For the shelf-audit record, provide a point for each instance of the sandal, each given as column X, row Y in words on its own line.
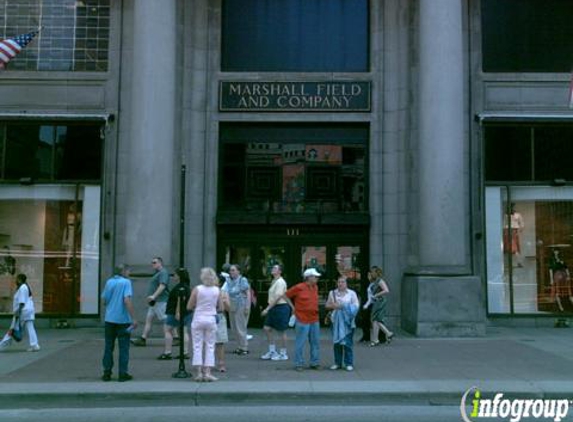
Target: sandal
column 222, row 369
column 374, row 343
column 199, row 378
column 165, row 356
column 209, row 378
column 389, row 338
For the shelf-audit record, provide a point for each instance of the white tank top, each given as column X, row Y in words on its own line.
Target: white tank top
column 207, row 297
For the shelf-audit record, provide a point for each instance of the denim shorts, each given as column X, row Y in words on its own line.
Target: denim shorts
column 173, row 322
column 278, row 317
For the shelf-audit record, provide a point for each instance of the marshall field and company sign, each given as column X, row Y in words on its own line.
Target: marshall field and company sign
column 294, row 96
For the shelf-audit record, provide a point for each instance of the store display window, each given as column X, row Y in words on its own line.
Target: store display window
column 51, row 234
column 529, row 217
column 50, row 175
column 529, row 249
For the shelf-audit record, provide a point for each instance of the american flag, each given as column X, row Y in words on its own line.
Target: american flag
column 10, row 47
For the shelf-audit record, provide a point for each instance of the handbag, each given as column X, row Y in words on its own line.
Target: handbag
column 16, row 330
column 328, row 316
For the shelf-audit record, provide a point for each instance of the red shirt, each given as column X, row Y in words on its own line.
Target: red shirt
column 305, row 298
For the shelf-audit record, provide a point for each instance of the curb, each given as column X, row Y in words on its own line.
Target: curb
column 296, row 393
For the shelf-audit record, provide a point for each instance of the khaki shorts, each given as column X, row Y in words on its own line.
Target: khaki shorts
column 158, row 310
column 222, row 335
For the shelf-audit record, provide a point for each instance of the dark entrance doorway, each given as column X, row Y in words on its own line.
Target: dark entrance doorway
column 334, row 251
column 294, row 194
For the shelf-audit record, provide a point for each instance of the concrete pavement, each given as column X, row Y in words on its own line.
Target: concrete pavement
column 519, row 362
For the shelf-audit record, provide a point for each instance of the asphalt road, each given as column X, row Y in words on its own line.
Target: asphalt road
column 239, row 414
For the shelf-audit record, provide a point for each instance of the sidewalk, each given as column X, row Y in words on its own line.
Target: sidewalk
column 532, row 362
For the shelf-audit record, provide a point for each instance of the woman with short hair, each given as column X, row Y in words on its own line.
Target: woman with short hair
column 238, row 288
column 277, row 315
column 344, row 305
column 204, row 301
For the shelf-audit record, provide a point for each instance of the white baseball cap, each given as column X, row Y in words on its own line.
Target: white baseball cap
column 310, row 272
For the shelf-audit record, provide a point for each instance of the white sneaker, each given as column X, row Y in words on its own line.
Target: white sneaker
column 335, row 367
column 280, row 356
column 249, row 337
column 269, row 355
column 350, row 368
column 35, row 348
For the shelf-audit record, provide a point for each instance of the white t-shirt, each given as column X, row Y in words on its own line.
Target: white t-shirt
column 22, row 295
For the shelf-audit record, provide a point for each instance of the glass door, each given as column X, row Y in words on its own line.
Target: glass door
column 332, row 254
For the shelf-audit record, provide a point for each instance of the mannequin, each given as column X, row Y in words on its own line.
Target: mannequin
column 71, row 230
column 560, row 280
column 514, row 225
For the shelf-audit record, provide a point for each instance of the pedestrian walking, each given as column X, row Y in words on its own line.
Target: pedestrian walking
column 24, row 311
column 119, row 322
column 377, row 292
column 277, row 314
column 238, row 290
column 204, row 301
column 157, row 295
column 174, row 314
column 304, row 296
column 343, row 304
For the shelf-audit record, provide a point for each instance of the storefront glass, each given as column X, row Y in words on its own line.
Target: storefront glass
column 50, row 175
column 529, row 249
column 294, row 178
column 51, row 234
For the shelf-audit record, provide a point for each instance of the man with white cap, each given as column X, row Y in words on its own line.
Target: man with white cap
column 304, row 297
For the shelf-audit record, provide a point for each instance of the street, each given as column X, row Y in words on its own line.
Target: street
column 397, row 413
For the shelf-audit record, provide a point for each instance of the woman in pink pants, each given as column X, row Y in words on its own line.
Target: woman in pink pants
column 203, row 301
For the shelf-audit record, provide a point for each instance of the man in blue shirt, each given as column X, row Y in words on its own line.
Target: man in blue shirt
column 119, row 322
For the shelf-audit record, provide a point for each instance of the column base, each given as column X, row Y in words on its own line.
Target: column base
column 443, row 306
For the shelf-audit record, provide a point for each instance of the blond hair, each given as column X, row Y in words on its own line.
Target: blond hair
column 208, row 276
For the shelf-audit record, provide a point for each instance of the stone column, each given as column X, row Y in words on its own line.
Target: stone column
column 442, row 204
column 149, row 192
column 440, row 297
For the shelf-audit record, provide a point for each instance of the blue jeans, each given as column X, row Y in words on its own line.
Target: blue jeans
column 119, row 332
column 344, row 349
column 304, row 332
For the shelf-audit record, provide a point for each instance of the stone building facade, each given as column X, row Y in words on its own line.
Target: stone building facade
column 371, row 141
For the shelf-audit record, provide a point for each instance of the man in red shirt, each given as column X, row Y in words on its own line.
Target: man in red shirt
column 304, row 297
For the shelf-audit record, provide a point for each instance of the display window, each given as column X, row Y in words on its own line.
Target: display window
column 50, row 175
column 51, row 234
column 529, row 217
column 529, row 249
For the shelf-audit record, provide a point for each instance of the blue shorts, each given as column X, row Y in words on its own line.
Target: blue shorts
column 278, row 317
column 173, row 322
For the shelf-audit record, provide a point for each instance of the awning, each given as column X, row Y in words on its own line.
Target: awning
column 92, row 117
column 523, row 117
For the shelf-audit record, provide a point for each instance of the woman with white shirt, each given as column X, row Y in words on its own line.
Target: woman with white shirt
column 277, row 315
column 204, row 301
column 343, row 302
column 23, row 308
